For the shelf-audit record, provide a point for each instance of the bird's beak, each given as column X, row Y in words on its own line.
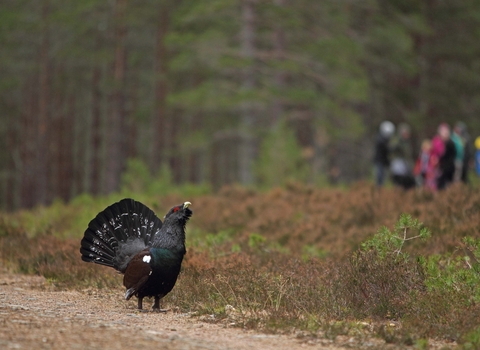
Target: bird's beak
column 186, row 205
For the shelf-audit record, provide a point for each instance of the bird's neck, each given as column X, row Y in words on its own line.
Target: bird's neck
column 172, row 238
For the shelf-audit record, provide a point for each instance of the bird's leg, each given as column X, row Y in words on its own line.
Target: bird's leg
column 156, row 305
column 140, row 302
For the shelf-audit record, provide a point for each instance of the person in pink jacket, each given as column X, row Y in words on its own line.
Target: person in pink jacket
column 425, row 167
column 443, row 153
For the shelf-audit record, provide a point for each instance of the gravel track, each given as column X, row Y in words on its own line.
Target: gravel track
column 33, row 315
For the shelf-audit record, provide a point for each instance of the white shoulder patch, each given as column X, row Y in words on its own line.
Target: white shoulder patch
column 147, row 259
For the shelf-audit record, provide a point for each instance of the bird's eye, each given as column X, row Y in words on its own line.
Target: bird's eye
column 176, row 209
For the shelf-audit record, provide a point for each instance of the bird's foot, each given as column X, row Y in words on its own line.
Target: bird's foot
column 142, row 311
column 157, row 309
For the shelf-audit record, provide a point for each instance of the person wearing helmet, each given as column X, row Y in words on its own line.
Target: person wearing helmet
column 381, row 158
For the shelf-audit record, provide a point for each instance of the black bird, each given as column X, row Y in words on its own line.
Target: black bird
column 129, row 237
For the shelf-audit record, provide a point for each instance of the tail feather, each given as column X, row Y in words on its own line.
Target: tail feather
column 122, row 229
column 96, row 250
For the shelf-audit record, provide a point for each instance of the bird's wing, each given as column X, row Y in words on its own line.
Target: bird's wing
column 137, row 272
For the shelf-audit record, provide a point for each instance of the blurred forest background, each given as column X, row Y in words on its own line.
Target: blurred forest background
column 214, row 92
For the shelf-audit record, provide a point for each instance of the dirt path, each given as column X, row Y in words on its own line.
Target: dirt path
column 32, row 316
column 35, row 316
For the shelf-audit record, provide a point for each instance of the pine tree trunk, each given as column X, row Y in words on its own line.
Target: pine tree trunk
column 247, row 146
column 115, row 130
column 56, row 131
column 28, row 148
column 196, row 156
column 66, row 173
column 96, row 134
column 12, row 183
column 280, row 76
column 41, row 172
column 160, row 122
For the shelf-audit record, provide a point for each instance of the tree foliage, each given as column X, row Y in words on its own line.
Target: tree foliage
column 280, row 158
column 196, row 86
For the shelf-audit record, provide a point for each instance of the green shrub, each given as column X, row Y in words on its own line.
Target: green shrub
column 471, row 340
column 138, row 181
column 387, row 243
column 280, row 159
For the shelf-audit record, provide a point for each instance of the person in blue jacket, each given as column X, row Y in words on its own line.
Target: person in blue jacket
column 477, row 155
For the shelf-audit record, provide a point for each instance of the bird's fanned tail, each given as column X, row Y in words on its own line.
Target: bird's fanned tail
column 127, row 220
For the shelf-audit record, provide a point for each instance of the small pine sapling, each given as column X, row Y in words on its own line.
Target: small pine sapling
column 387, row 242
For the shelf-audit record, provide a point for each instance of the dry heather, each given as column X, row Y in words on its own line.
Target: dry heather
column 336, row 221
column 290, row 259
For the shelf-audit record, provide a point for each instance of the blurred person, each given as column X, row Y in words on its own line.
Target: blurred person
column 424, row 170
column 443, row 149
column 477, row 155
column 381, row 158
column 401, row 144
column 461, row 129
column 459, row 153
column 401, row 167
